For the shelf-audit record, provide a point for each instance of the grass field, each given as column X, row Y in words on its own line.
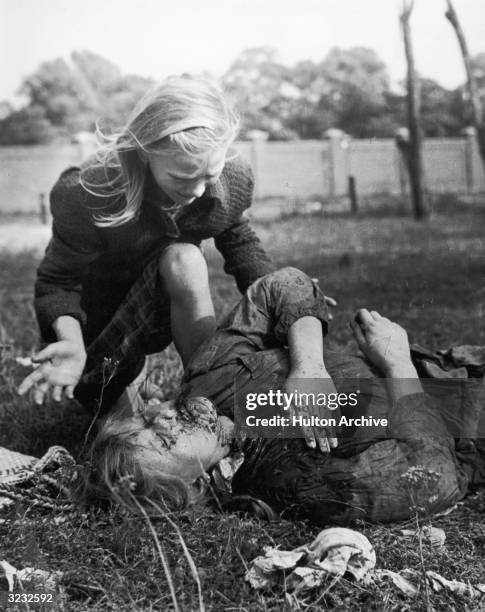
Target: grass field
column 427, row 276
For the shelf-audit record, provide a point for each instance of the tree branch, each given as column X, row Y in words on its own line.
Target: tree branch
column 475, row 102
column 407, row 9
column 414, row 147
column 472, row 83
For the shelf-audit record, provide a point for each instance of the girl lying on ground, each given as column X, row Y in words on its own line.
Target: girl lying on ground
column 271, row 340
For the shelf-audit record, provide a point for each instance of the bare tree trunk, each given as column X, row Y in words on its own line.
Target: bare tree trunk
column 414, row 158
column 476, row 103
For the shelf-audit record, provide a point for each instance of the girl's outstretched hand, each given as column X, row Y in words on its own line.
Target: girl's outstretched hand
column 59, row 368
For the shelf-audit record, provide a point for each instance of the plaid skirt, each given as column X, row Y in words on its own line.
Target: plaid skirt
column 140, row 326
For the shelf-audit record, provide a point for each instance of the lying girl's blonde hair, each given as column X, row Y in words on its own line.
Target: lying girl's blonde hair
column 120, row 470
column 187, row 112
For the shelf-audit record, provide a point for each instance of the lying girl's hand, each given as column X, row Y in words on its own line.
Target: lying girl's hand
column 60, row 367
column 307, row 382
column 383, row 342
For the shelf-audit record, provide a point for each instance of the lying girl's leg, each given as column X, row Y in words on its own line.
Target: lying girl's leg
column 146, row 322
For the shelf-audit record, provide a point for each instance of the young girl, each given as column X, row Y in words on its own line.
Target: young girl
column 156, row 189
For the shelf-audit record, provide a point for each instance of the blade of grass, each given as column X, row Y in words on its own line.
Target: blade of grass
column 188, row 556
column 161, row 554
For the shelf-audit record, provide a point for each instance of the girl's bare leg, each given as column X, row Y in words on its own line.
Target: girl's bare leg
column 185, row 276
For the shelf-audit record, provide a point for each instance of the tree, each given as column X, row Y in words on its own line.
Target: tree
column 262, row 90
column 114, row 94
column 99, row 74
column 354, row 82
column 6, row 109
column 66, row 97
column 309, row 120
column 440, row 114
column 347, row 89
column 121, row 101
column 63, row 94
column 313, row 113
column 477, row 64
column 413, row 148
column 27, row 126
column 476, row 106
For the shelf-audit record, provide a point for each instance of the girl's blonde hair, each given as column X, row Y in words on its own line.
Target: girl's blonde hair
column 122, row 470
column 188, row 112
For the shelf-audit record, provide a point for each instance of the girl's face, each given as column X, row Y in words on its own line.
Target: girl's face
column 194, row 447
column 183, row 177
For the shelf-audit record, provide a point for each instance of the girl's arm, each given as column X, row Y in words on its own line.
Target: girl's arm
column 74, row 245
column 305, row 344
column 308, row 375
column 244, row 255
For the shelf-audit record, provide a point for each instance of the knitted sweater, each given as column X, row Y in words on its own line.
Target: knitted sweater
column 87, row 268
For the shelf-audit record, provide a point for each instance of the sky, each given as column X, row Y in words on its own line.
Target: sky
column 160, row 37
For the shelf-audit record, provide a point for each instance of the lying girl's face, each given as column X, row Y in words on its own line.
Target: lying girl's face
column 178, row 446
column 183, row 177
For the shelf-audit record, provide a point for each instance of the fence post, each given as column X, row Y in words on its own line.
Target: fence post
column 42, row 209
column 338, row 162
column 402, row 146
column 470, row 134
column 399, row 179
column 354, row 203
column 257, row 138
